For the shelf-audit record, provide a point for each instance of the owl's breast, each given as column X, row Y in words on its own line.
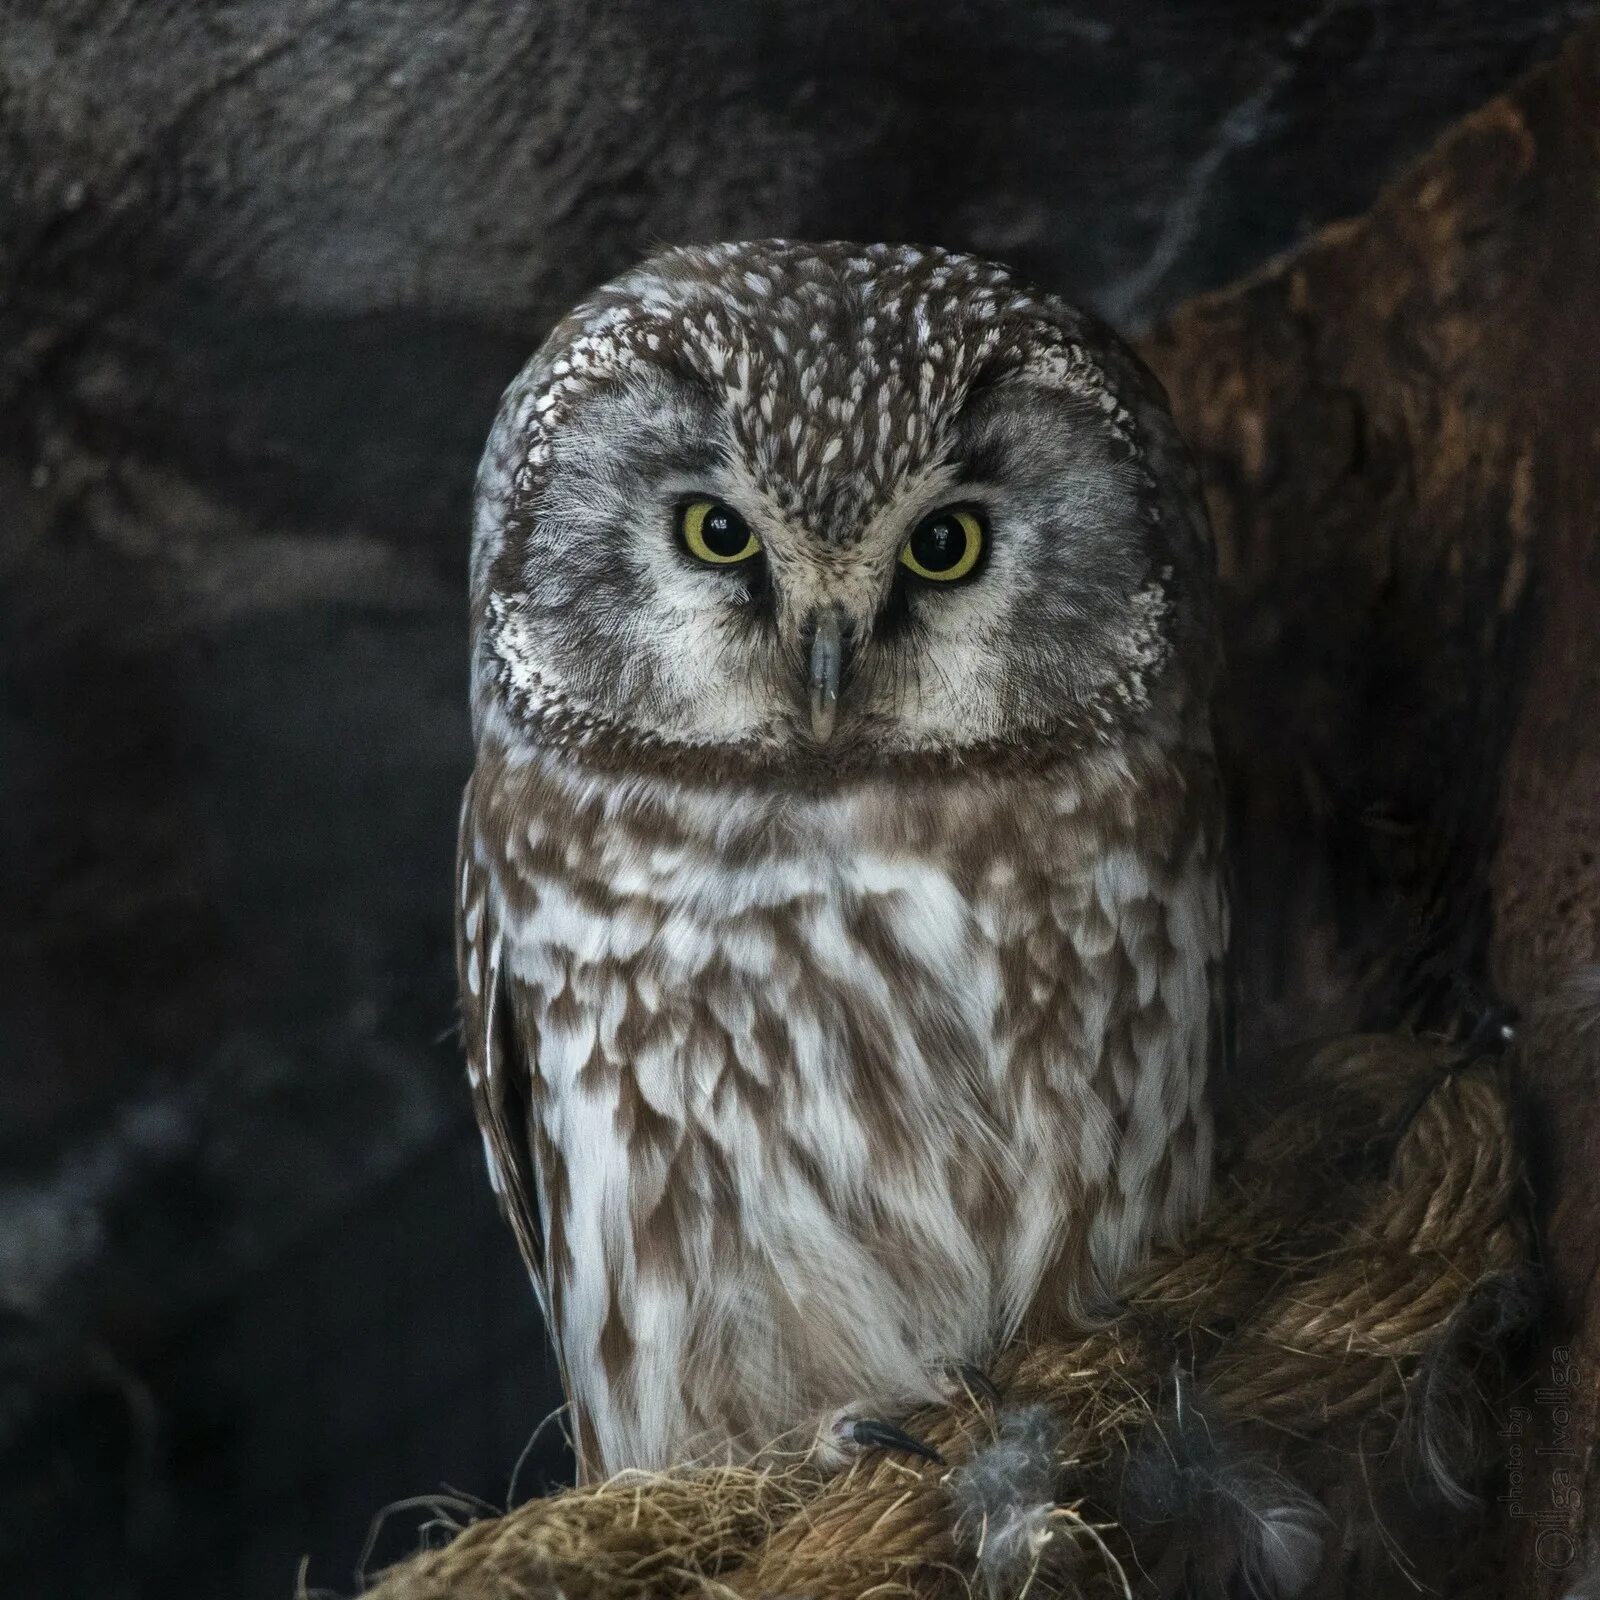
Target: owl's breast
column 837, row 997
column 830, row 1099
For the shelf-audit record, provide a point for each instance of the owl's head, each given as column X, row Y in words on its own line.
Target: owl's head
column 812, row 508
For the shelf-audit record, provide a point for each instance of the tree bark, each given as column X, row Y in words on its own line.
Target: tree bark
column 1399, row 427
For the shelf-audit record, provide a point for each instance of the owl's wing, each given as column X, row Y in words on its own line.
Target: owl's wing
column 503, row 1069
column 500, row 1063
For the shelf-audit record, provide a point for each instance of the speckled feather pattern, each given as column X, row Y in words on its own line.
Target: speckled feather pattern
column 806, row 1074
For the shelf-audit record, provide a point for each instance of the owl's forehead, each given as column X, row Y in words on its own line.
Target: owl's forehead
column 838, row 370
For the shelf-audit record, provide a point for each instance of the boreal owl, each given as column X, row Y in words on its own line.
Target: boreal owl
column 840, row 913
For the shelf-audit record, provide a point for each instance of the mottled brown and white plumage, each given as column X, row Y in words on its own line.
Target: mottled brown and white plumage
column 820, row 1049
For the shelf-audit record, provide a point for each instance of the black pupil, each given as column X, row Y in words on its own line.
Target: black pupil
column 938, row 544
column 724, row 532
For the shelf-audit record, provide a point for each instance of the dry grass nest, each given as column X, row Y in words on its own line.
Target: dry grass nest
column 1272, row 1401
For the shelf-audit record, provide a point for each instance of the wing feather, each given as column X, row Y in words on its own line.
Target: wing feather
column 501, row 1067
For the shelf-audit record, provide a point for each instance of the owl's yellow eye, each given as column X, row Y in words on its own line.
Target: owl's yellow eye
column 944, row 546
column 716, row 533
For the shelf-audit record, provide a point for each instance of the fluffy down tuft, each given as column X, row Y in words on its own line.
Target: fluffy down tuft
column 1005, row 1497
column 1447, row 1438
column 1226, row 1522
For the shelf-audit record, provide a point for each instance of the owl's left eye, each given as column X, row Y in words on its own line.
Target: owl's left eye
column 944, row 547
column 715, row 533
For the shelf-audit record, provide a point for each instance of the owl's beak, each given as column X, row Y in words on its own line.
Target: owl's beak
column 826, row 664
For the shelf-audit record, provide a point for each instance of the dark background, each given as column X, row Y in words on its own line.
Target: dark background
column 264, row 269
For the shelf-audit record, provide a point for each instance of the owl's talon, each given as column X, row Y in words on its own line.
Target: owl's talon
column 969, row 1382
column 1491, row 1030
column 868, row 1433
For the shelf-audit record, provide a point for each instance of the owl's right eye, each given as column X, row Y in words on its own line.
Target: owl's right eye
column 715, row 533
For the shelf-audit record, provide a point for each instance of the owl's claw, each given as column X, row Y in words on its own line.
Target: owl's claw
column 968, row 1382
column 1490, row 1030
column 868, row 1433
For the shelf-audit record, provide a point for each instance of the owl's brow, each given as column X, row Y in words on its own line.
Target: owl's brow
column 672, row 361
column 978, row 462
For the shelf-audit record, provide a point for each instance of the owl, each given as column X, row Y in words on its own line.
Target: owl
column 841, row 925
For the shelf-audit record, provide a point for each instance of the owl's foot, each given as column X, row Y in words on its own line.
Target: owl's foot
column 965, row 1382
column 871, row 1433
column 847, row 1435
